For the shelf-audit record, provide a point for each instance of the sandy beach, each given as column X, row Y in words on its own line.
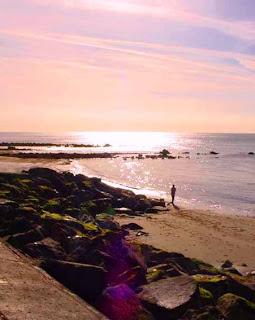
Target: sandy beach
column 205, row 235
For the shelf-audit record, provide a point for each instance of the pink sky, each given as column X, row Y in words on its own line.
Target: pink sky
column 80, row 65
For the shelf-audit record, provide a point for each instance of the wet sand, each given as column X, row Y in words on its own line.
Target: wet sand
column 201, row 234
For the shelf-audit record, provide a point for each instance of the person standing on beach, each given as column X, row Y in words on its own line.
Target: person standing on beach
column 173, row 191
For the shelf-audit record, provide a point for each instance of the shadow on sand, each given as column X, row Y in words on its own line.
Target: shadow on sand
column 175, row 207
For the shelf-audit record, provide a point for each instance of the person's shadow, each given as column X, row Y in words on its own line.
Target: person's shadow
column 176, row 208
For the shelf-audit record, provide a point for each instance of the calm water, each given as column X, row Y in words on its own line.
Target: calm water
column 223, row 182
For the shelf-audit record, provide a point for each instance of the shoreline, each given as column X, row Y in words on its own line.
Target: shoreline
column 16, row 165
column 201, row 234
column 204, row 234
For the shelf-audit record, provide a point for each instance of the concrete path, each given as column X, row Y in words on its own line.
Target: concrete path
column 27, row 293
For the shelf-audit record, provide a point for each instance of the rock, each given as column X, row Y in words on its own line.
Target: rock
column 57, row 180
column 45, row 249
column 160, row 208
column 169, row 298
column 48, row 192
column 17, row 225
column 27, row 213
column 106, row 221
column 124, row 211
column 121, row 303
column 142, row 205
column 102, row 204
column 131, row 226
column 217, row 285
column 6, row 212
column 158, row 203
column 21, row 239
column 233, row 307
column 156, row 256
column 205, row 298
column 44, row 173
column 61, row 233
column 213, row 153
column 142, row 233
column 161, row 271
column 164, row 153
column 251, row 153
column 132, row 277
column 220, row 284
column 156, row 209
column 133, row 255
column 204, row 313
column 131, row 202
column 88, row 281
column 11, row 191
column 151, row 210
column 227, row 264
column 37, row 181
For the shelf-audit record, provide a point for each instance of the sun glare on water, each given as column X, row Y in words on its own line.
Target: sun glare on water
column 131, row 141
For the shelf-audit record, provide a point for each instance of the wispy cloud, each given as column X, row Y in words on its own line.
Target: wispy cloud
column 77, row 59
column 167, row 9
column 194, row 60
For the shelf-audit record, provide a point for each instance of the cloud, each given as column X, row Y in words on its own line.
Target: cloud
column 166, row 9
column 69, row 59
column 225, row 64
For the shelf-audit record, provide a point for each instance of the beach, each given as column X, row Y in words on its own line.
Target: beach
column 72, row 226
column 205, row 235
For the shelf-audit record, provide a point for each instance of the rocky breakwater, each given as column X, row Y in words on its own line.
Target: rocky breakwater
column 66, row 224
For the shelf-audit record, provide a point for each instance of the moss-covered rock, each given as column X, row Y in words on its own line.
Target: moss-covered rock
column 233, row 307
column 52, row 205
column 155, row 275
column 206, row 297
column 106, row 221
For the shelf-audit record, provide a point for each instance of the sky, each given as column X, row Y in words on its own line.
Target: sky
column 134, row 65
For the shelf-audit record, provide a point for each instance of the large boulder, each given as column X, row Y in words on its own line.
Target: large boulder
column 218, row 285
column 57, row 180
column 44, row 173
column 143, row 205
column 169, row 298
column 221, row 284
column 21, row 239
column 121, row 303
column 45, row 249
column 233, row 307
column 88, row 281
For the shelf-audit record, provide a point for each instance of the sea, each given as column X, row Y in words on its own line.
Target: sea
column 223, row 181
